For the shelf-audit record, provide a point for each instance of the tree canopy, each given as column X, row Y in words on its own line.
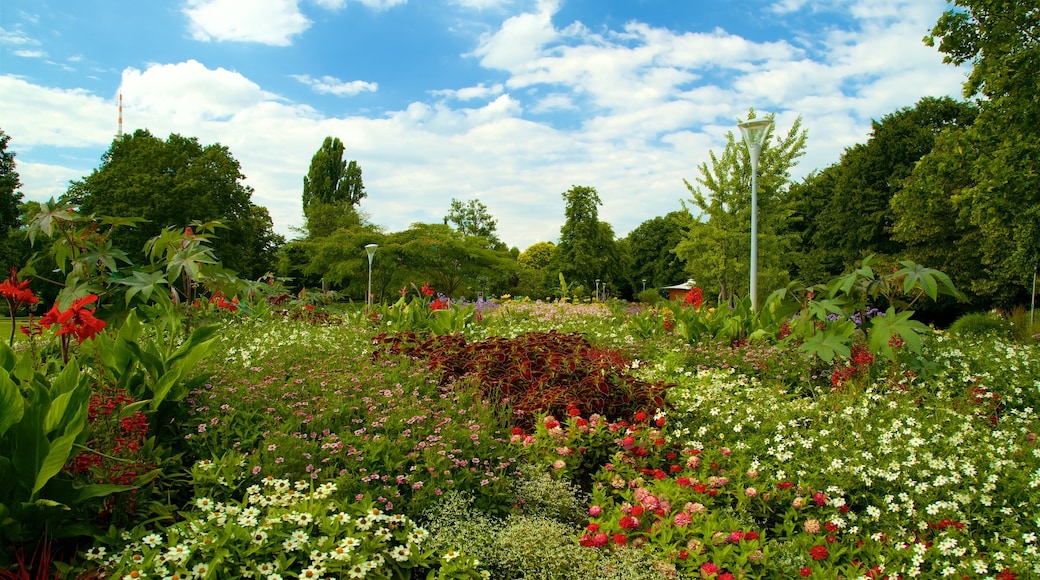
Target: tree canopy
column 472, row 218
column 175, row 182
column 716, row 247
column 845, row 210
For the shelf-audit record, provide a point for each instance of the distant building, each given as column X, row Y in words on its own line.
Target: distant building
column 678, row 292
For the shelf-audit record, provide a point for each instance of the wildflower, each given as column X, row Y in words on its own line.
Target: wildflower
column 819, row 552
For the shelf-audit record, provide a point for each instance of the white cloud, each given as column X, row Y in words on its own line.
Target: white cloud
column 471, row 93
column 16, row 38
column 30, row 53
column 520, row 39
column 272, row 22
column 382, row 4
column 332, row 86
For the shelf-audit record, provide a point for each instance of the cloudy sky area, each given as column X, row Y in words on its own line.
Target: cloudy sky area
column 507, row 101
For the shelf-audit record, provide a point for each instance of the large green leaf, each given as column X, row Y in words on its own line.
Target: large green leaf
column 59, row 451
column 12, row 405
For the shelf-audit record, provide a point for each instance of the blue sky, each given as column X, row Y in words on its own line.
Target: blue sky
column 507, row 101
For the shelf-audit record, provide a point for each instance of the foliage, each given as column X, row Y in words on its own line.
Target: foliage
column 309, row 400
column 534, row 373
column 587, row 250
column 995, row 190
column 716, row 244
column 845, row 209
column 10, row 197
column 331, row 179
column 473, row 219
column 280, row 527
column 170, row 184
column 651, row 246
column 981, row 324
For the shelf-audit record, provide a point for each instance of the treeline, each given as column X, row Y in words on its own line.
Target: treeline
column 952, row 184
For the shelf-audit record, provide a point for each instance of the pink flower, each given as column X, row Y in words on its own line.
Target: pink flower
column 709, row 569
column 682, row 519
column 595, row 511
column 751, row 492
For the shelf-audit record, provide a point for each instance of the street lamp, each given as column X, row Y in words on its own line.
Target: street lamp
column 371, row 249
column 597, row 289
column 754, row 132
column 644, row 284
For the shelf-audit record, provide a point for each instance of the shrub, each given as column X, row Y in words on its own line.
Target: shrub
column 981, row 324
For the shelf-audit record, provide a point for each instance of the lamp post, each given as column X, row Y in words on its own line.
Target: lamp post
column 597, row 289
column 371, row 249
column 754, row 133
column 644, row 284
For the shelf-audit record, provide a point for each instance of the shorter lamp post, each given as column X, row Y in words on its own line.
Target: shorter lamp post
column 644, row 284
column 371, row 249
column 754, row 132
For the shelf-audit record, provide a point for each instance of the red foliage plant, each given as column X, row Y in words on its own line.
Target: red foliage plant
column 535, row 372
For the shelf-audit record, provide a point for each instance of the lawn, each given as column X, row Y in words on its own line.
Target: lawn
column 571, row 441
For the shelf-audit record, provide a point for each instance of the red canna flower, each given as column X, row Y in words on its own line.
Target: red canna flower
column 76, row 320
column 427, row 290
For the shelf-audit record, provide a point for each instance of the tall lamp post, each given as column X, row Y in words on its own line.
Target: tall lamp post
column 597, row 289
column 644, row 284
column 754, row 132
column 371, row 249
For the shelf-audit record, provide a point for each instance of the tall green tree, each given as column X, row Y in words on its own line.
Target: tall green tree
column 1000, row 39
column 10, row 197
column 845, row 210
column 332, row 188
column 587, row 250
column 12, row 248
column 175, row 182
column 472, row 218
column 716, row 247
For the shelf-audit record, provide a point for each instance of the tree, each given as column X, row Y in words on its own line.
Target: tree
column 651, row 246
column 174, row 183
column 331, row 179
column 717, row 245
column 473, row 219
column 10, row 197
column 587, row 250
column 332, row 188
column 845, row 210
column 1001, row 40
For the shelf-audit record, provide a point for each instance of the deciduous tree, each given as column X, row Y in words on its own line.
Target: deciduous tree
column 717, row 245
column 175, row 182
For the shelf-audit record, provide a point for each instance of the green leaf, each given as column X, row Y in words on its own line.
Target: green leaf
column 12, row 405
column 144, row 283
column 58, row 452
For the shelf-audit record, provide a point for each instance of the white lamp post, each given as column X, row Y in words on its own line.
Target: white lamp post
column 371, row 249
column 644, row 284
column 754, row 133
column 597, row 289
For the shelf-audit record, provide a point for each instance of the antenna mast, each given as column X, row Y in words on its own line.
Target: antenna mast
column 119, row 132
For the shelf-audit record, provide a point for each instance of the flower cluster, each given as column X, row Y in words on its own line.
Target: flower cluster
column 281, row 529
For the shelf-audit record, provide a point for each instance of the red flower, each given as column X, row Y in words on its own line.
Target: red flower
column 637, row 511
column 805, row 572
column 726, row 576
column 1007, row 574
column 709, row 569
column 439, row 304
column 75, row 320
column 17, row 293
column 427, row 290
column 628, row 523
column 620, row 539
column 694, row 297
column 819, row 552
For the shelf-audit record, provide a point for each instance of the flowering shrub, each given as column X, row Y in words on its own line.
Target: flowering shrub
column 279, row 528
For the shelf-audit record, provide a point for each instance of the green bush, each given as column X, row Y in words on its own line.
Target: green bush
column 981, row 324
column 650, row 296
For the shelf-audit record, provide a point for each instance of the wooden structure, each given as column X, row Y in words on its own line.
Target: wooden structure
column 678, row 292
